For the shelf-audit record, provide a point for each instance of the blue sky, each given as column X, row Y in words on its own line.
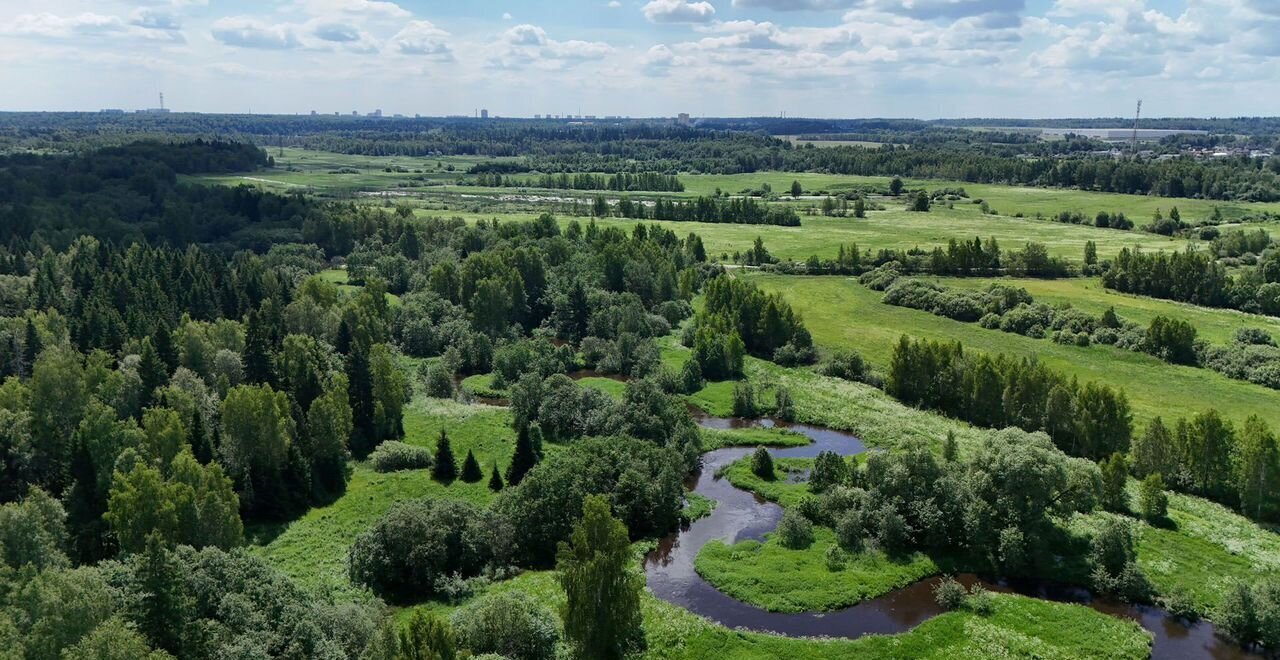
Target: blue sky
column 817, row 58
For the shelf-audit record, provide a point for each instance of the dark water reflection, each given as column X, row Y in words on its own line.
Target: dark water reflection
column 739, row 516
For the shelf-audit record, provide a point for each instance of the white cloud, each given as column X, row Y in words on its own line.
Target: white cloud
column 678, row 11
column 367, row 8
column 143, row 24
column 527, row 45
column 423, row 38
column 246, row 32
column 506, row 15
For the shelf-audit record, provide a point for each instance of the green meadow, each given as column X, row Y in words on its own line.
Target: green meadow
column 843, row 314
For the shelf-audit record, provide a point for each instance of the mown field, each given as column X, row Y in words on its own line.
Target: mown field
column 843, row 314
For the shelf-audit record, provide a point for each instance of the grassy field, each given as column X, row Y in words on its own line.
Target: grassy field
column 1215, row 325
column 317, row 172
column 1008, row 200
column 313, row 548
column 902, row 230
column 842, row 314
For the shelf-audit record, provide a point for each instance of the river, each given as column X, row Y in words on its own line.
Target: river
column 740, row 515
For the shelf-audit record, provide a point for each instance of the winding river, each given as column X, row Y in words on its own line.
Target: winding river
column 740, row 515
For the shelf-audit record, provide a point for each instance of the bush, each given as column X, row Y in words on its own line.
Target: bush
column 835, row 558
column 848, row 365
column 794, row 530
column 1253, row 336
column 980, row 601
column 762, row 464
column 1173, row 340
column 1153, row 503
column 948, row 593
column 882, row 277
column 851, row 530
column 393, row 455
column 512, row 625
column 744, row 400
column 691, row 377
column 416, row 546
column 784, row 409
column 439, row 381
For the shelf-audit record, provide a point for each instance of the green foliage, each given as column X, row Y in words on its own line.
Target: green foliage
column 393, row 455
column 471, row 472
column 1153, row 504
column 194, row 505
column 444, row 467
column 495, row 479
column 512, row 625
column 602, row 610
column 1173, row 340
column 419, row 544
column 1115, row 477
column 949, row 593
column 794, row 530
column 32, row 532
column 426, row 637
column 744, row 400
column 762, row 464
column 257, row 431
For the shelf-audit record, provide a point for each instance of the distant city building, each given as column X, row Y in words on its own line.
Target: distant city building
column 154, row 111
column 376, row 113
column 313, row 113
column 484, row 114
column 111, row 111
column 683, row 118
column 537, row 116
column 355, row 113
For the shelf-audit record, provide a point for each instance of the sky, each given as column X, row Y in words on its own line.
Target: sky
column 647, row 58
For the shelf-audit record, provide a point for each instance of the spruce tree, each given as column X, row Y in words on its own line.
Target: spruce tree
column 495, row 479
column 259, row 365
column 471, row 472
column 31, row 348
column 151, row 372
column 360, row 396
column 523, row 460
column 445, row 467
column 950, row 451
column 163, row 339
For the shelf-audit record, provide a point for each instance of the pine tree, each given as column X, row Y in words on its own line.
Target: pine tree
column 445, row 467
column 471, row 472
column 495, row 479
column 950, row 451
column 523, row 460
column 1115, row 474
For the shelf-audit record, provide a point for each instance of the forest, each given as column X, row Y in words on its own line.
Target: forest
column 244, row 423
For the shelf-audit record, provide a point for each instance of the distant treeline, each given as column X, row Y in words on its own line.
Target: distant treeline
column 736, row 210
column 620, row 182
column 620, row 146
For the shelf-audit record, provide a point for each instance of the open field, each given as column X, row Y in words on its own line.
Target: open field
column 313, row 548
column 1217, row 326
column 899, row 229
column 1008, row 200
column 843, row 314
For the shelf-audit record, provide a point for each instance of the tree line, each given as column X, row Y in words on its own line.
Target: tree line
column 618, row 182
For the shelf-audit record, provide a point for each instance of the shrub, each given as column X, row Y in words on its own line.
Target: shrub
column 1253, row 336
column 948, row 593
column 744, row 400
column 512, row 625
column 883, row 276
column 794, row 530
column 784, row 409
column 980, row 601
column 848, row 365
column 762, row 464
column 418, row 544
column 439, row 382
column 835, row 558
column 1153, row 503
column 691, row 377
column 1173, row 340
column 829, row 469
column 393, row 455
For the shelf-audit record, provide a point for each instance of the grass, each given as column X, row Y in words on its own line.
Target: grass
column 842, row 314
column 1007, row 200
column 696, row 506
column 313, row 548
column 340, row 277
column 1215, row 325
column 752, row 437
column 1017, row 627
column 898, row 229
column 783, row 580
